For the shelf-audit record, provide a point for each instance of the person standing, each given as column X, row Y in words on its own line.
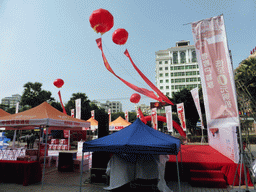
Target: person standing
column 32, row 140
column 28, row 140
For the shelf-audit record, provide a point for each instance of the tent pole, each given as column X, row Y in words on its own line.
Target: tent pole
column 178, row 172
column 45, row 149
column 81, row 171
column 181, row 161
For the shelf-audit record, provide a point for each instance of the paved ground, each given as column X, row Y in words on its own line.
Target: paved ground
column 61, row 182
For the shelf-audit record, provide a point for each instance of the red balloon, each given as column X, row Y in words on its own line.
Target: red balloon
column 101, row 21
column 120, row 36
column 58, row 83
column 135, row 98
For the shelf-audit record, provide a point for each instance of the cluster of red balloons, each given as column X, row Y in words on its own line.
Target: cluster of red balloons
column 102, row 21
column 58, row 83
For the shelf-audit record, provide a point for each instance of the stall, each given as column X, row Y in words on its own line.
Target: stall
column 44, row 115
column 139, row 141
column 118, row 124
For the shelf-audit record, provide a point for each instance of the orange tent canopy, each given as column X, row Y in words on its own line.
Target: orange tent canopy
column 42, row 115
column 94, row 123
column 118, row 124
column 3, row 113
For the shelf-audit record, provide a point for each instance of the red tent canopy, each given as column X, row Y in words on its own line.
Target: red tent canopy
column 42, row 115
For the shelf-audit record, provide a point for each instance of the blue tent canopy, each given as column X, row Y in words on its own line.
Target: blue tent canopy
column 135, row 138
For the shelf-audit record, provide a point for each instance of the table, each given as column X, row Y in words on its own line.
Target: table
column 20, row 172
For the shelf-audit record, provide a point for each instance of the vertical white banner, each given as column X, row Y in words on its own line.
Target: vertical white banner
column 181, row 115
column 154, row 118
column 72, row 112
column 109, row 115
column 15, row 132
column 92, row 114
column 168, row 111
column 195, row 95
column 126, row 116
column 78, row 108
column 217, row 83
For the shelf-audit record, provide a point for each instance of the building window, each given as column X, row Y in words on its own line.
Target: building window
column 166, row 80
column 166, row 74
column 166, row 62
column 172, row 81
column 161, row 81
column 175, row 58
column 172, row 86
column 198, row 79
column 160, row 62
column 161, row 87
column 167, row 87
column 194, row 57
column 160, row 74
column 171, row 74
column 166, row 68
column 182, row 57
column 171, row 68
column 160, row 68
column 167, row 93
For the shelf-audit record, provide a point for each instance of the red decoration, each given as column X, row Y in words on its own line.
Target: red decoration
column 101, row 21
column 214, row 130
column 120, row 36
column 135, row 98
column 58, row 83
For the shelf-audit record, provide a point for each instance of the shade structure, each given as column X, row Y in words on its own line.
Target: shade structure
column 118, row 124
column 42, row 115
column 94, row 123
column 136, row 138
column 3, row 113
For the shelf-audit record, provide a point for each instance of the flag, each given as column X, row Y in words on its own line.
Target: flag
column 195, row 95
column 154, row 118
column 109, row 115
column 92, row 114
column 126, row 116
column 218, row 84
column 72, row 112
column 168, row 112
column 181, row 115
column 78, row 108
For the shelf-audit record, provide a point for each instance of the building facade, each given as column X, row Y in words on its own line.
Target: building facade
column 114, row 106
column 144, row 108
column 177, row 68
column 11, row 101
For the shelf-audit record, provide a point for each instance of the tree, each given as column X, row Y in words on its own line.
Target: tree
column 132, row 116
column 85, row 105
column 33, row 95
column 56, row 105
column 245, row 78
column 191, row 114
column 114, row 116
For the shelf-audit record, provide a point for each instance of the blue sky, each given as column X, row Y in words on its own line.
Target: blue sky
column 42, row 40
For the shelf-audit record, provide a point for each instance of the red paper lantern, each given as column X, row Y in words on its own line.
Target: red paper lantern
column 120, row 36
column 135, row 98
column 101, row 21
column 58, row 83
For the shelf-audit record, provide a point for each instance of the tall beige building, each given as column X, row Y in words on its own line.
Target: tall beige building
column 177, row 68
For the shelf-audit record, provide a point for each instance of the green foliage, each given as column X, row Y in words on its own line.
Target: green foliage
column 191, row 114
column 33, row 95
column 132, row 116
column 85, row 105
column 114, row 116
column 56, row 105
